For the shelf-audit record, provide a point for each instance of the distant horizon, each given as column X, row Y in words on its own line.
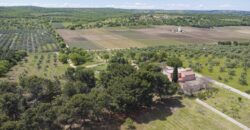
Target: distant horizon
column 200, row 5
column 125, row 8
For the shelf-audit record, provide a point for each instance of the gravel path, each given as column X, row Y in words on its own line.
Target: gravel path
column 222, row 114
column 219, row 84
column 71, row 64
column 94, row 65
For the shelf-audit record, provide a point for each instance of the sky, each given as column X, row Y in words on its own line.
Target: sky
column 138, row 4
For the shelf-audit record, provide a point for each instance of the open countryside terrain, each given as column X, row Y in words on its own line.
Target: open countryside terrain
column 111, row 38
column 50, row 80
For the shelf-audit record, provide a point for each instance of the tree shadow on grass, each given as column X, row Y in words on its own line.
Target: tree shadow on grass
column 159, row 111
column 108, row 124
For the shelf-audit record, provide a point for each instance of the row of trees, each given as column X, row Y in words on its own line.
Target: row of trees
column 235, row 43
column 195, row 20
column 9, row 58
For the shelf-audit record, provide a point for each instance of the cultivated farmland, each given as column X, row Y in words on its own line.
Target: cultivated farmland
column 28, row 35
column 30, row 41
column 155, row 36
column 98, row 39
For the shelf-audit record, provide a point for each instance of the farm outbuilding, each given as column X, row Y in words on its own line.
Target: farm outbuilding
column 194, row 86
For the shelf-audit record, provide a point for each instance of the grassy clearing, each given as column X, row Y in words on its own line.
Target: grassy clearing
column 191, row 116
column 216, row 74
column 232, row 105
column 40, row 64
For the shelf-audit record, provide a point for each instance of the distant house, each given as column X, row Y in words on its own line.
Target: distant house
column 183, row 74
column 179, row 29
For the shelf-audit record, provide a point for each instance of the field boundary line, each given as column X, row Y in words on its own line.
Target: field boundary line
column 222, row 114
column 222, row 85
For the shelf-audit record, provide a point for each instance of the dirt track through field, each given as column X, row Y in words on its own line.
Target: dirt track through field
column 222, row 114
column 227, row 87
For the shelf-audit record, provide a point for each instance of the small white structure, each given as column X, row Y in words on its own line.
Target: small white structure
column 179, row 29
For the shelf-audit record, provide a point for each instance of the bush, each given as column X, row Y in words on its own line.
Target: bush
column 63, row 58
column 222, row 69
column 129, row 124
column 210, row 68
column 4, row 66
column 207, row 93
column 231, row 72
column 243, row 79
column 219, row 78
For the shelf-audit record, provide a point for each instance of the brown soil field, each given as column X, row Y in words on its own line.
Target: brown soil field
column 99, row 37
column 202, row 35
column 114, row 38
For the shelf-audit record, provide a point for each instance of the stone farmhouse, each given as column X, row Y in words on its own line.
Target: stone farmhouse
column 184, row 75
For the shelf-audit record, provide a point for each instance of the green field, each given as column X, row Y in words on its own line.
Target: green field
column 232, row 105
column 216, row 74
column 191, row 116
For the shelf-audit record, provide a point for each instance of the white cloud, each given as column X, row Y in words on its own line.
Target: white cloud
column 65, row 5
column 201, row 6
column 176, row 6
column 43, row 4
column 135, row 5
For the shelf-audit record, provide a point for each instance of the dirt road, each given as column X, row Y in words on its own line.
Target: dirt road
column 222, row 85
column 222, row 114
